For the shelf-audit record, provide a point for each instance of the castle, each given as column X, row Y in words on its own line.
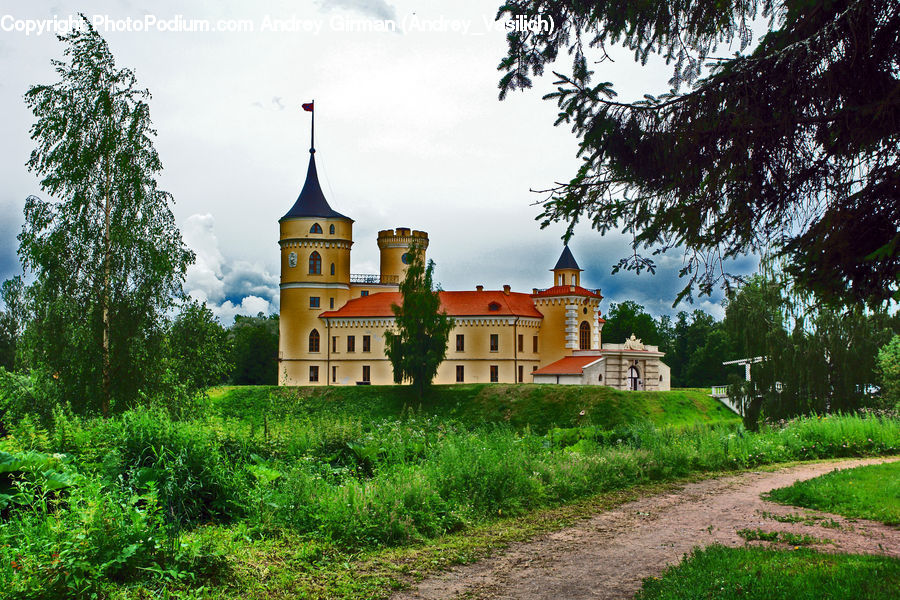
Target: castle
column 332, row 322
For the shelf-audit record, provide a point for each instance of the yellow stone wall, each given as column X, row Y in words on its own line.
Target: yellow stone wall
column 562, row 318
column 357, row 289
column 476, row 358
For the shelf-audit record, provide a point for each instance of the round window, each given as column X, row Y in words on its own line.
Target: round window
column 405, row 258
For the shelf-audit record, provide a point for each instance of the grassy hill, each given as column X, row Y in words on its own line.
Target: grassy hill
column 537, row 406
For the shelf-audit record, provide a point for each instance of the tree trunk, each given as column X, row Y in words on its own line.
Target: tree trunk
column 105, row 297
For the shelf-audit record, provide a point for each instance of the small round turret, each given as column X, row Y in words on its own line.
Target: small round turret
column 566, row 271
column 395, row 246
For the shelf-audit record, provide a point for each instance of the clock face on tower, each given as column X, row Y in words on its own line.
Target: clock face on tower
column 292, row 259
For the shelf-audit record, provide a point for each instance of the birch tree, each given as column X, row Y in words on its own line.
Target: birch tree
column 107, row 257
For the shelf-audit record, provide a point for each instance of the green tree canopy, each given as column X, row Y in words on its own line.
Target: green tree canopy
column 629, row 317
column 419, row 344
column 12, row 321
column 198, row 348
column 889, row 370
column 107, row 257
column 814, row 358
column 254, row 353
column 792, row 146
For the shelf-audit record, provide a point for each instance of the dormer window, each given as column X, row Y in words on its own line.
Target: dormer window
column 316, row 228
column 494, row 306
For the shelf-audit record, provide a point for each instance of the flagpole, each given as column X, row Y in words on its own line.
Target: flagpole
column 312, row 131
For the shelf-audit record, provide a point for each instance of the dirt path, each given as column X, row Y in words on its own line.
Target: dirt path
column 608, row 555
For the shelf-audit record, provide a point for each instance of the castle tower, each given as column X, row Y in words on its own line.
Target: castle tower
column 394, row 246
column 566, row 271
column 315, row 245
column 572, row 319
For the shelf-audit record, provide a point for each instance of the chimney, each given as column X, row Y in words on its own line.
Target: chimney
column 506, row 289
column 479, row 288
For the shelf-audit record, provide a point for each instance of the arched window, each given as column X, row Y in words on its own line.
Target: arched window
column 331, row 230
column 634, row 378
column 584, row 336
column 332, row 268
column 315, row 264
column 316, row 228
column 314, row 341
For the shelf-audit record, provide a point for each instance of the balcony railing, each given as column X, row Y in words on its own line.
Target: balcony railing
column 375, row 279
column 541, row 290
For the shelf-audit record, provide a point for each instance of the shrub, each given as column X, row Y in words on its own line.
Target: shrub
column 55, row 545
column 181, row 460
column 889, row 369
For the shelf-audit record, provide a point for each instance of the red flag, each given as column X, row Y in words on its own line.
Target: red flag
column 307, row 107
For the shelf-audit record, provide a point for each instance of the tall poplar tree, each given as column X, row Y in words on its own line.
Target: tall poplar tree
column 419, row 345
column 106, row 254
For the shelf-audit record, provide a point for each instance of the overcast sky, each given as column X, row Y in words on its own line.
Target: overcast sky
column 409, row 132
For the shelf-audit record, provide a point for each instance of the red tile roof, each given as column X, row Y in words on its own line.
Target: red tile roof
column 457, row 304
column 567, row 290
column 570, row 365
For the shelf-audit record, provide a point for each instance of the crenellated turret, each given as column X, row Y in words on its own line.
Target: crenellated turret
column 394, row 246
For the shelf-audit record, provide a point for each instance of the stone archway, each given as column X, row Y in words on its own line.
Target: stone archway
column 634, row 378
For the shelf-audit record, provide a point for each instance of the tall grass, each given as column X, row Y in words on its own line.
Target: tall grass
column 445, row 481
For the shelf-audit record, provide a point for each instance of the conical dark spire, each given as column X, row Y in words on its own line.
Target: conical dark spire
column 311, row 202
column 566, row 261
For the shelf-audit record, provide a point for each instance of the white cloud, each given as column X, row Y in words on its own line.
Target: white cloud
column 204, row 278
column 251, row 305
column 243, row 278
column 714, row 308
column 228, row 288
column 378, row 9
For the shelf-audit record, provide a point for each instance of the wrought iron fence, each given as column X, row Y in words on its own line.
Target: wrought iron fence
column 375, row 279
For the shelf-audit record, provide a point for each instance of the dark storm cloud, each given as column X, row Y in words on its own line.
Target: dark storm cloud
column 657, row 291
column 242, row 278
